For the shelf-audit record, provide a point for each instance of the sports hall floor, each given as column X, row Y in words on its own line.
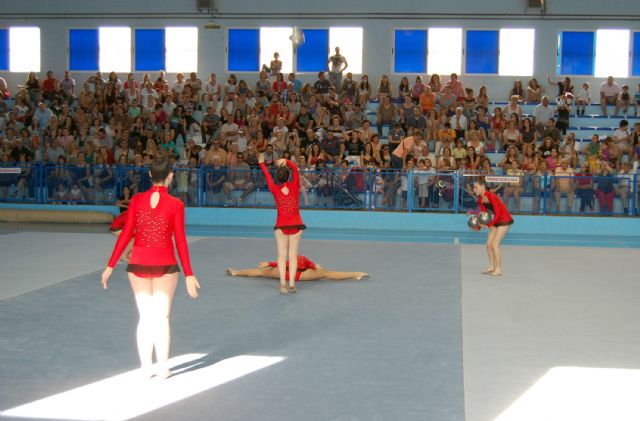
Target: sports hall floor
column 426, row 337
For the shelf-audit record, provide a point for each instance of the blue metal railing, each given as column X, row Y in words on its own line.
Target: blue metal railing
column 335, row 188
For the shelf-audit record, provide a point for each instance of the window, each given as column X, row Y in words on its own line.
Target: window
column 575, row 53
column 445, row 50
column 24, row 49
column 274, row 40
column 181, row 49
column 243, row 53
column 115, row 49
column 84, row 45
column 481, row 52
column 350, row 42
column 150, row 49
column 312, row 55
column 516, row 52
column 4, row 49
column 612, row 53
column 635, row 68
column 410, row 51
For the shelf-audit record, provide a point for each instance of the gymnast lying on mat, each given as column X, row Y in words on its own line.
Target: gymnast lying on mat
column 307, row 271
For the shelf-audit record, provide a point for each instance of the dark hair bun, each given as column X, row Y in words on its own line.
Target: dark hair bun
column 160, row 167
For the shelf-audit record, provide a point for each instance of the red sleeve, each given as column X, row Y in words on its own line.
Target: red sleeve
column 273, row 264
column 181, row 239
column 267, row 175
column 296, row 173
column 497, row 208
column 125, row 236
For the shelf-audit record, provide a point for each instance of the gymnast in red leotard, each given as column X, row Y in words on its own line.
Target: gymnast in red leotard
column 307, row 271
column 498, row 227
column 156, row 217
column 289, row 225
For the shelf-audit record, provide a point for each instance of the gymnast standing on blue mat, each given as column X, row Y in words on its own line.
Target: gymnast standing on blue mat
column 498, row 226
column 156, row 217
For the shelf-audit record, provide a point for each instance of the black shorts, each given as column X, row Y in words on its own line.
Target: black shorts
column 503, row 224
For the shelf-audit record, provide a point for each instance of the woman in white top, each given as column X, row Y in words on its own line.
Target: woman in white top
column 583, row 99
column 212, row 91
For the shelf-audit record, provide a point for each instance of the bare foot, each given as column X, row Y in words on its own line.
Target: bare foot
column 496, row 273
column 292, row 288
column 162, row 374
column 488, row 271
column 231, row 272
column 362, row 275
column 283, row 289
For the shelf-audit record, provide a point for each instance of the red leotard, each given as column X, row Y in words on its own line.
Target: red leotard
column 119, row 222
column 154, row 227
column 501, row 215
column 303, row 264
column 289, row 219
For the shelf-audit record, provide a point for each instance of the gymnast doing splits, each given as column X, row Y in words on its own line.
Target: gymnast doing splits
column 307, row 271
column 156, row 217
column 289, row 225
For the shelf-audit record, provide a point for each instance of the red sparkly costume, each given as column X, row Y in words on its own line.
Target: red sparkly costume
column 119, row 222
column 289, row 219
column 501, row 215
column 152, row 254
column 303, row 264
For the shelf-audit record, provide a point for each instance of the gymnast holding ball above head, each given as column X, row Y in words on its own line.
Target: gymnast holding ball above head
column 289, row 225
column 498, row 226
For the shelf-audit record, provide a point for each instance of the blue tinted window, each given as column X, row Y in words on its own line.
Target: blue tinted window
column 576, row 53
column 313, row 54
column 482, row 52
column 4, row 49
column 410, row 51
column 635, row 68
column 244, row 50
column 83, row 49
column 150, row 49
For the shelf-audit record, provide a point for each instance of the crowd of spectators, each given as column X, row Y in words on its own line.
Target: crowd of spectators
column 89, row 128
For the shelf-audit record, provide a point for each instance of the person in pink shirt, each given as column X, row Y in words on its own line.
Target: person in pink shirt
column 456, row 87
column 404, row 148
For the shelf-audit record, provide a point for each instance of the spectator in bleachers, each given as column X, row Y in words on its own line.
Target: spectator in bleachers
column 337, row 64
column 364, row 91
column 32, row 85
column 563, row 184
column 623, row 138
column 448, row 99
column 569, row 150
column 542, row 113
column 517, row 90
column 541, row 184
column 321, row 86
column 428, row 100
column 349, row 89
column 564, row 86
column 584, row 187
column 416, row 119
column 553, row 159
column 609, row 95
column 4, row 89
column 459, row 123
column 396, row 134
column 384, row 88
column 386, row 113
column 476, row 143
column 583, row 99
column 529, row 133
column 43, row 115
column 404, row 90
column 605, row 189
column 563, row 108
column 514, row 189
column 445, row 137
column 625, row 100
column 498, row 124
column 636, row 101
column 625, row 182
column 435, row 84
column 534, row 90
column 417, row 89
column 635, row 137
column 550, row 130
column 513, row 108
column 483, row 99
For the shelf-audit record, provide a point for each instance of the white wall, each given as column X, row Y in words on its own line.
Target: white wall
column 378, row 18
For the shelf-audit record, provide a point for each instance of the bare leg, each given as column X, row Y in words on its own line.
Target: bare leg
column 257, row 272
column 490, row 237
column 500, row 232
column 294, row 242
column 164, row 288
column 312, row 275
column 282, row 243
column 143, row 292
